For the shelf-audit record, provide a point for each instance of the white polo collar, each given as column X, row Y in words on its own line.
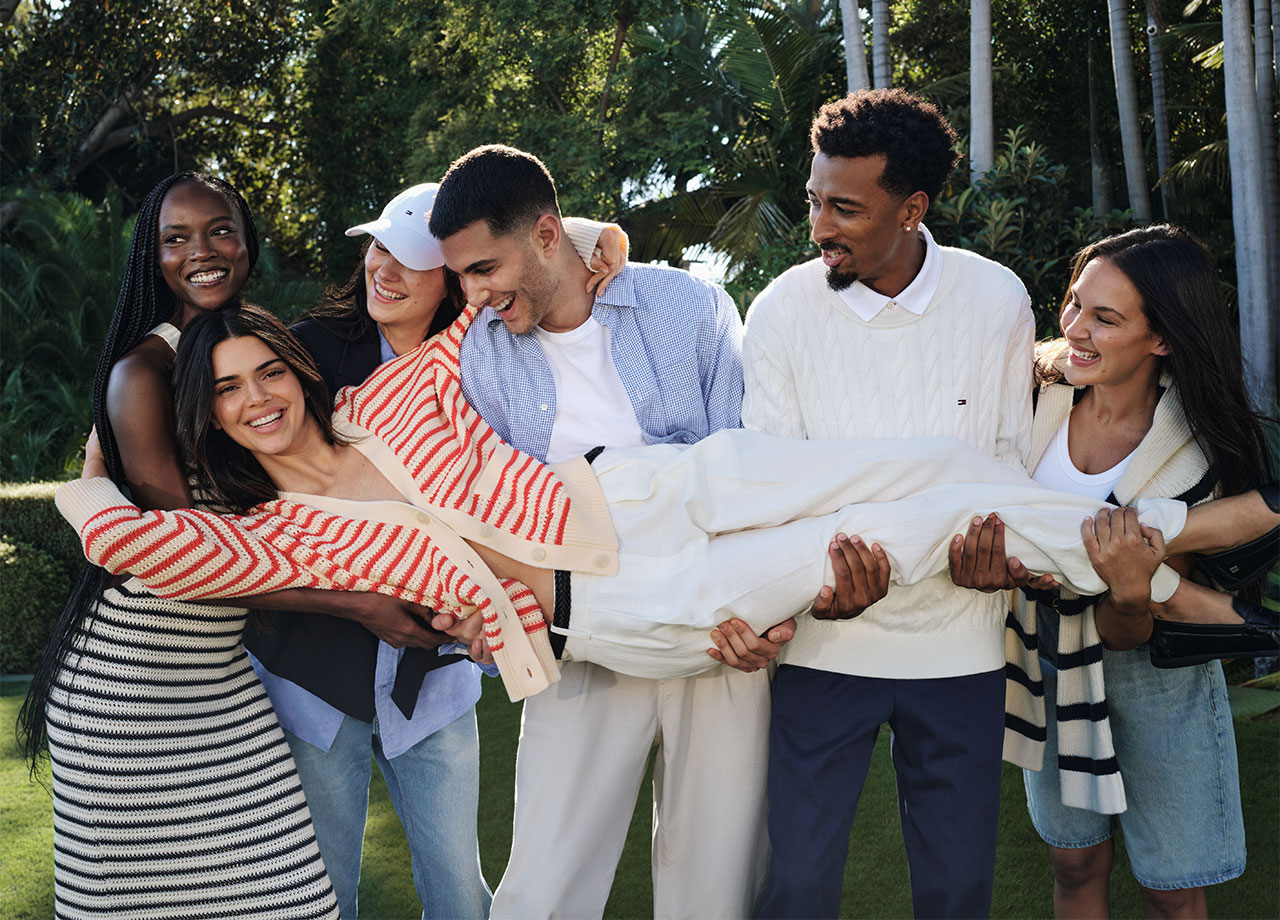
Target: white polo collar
column 867, row 304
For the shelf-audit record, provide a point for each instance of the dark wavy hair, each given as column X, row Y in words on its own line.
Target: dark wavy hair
column 1182, row 301
column 144, row 302
column 225, row 471
column 917, row 142
column 344, row 311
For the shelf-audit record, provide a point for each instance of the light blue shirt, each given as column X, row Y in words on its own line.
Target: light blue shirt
column 676, row 343
column 446, row 693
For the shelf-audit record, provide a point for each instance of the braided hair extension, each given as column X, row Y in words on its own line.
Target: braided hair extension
column 144, row 301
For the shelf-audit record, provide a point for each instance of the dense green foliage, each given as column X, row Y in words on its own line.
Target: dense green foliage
column 1018, row 215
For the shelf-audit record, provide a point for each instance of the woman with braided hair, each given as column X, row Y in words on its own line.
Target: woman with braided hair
column 174, row 790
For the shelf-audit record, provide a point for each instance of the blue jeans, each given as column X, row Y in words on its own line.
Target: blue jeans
column 435, row 789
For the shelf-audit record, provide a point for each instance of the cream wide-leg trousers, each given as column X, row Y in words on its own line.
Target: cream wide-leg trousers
column 738, row 525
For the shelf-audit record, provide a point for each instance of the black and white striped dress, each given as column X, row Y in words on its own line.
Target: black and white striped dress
column 175, row 795
column 174, row 791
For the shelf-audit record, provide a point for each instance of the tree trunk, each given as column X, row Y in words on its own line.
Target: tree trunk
column 1099, row 177
column 1160, row 109
column 982, row 139
column 855, row 49
column 1275, row 40
column 1135, row 172
column 883, row 69
column 1253, row 226
column 619, row 35
column 1264, row 66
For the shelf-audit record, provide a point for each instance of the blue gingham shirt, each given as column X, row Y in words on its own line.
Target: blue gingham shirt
column 446, row 693
column 676, row 343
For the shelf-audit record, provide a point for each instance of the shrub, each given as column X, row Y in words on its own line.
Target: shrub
column 39, row 559
column 1017, row 214
column 28, row 515
column 33, row 588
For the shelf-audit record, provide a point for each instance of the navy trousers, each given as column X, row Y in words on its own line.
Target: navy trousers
column 946, row 744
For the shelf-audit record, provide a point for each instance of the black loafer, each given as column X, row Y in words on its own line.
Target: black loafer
column 1245, row 564
column 1176, row 645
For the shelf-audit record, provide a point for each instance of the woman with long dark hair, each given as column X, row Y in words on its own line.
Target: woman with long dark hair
column 1142, row 397
column 343, row 698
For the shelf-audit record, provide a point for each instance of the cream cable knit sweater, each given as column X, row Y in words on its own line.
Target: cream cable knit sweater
column 813, row 369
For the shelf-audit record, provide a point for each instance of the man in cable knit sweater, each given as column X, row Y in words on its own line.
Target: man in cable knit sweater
column 888, row 335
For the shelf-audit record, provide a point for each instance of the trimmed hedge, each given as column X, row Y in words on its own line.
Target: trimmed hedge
column 39, row 559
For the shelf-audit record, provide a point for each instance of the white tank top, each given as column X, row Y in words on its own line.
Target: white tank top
column 1056, row 470
column 169, row 333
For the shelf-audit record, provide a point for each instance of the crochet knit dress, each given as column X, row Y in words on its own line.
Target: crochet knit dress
column 174, row 792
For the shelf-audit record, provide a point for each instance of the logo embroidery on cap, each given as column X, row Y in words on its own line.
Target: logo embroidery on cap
column 962, row 402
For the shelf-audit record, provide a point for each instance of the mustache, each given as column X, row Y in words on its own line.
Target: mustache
column 832, row 247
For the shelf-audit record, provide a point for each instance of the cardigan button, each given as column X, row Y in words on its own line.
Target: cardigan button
column 538, row 554
column 423, row 519
column 602, row 561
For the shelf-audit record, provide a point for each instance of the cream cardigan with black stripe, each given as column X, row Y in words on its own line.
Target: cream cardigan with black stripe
column 1168, row 463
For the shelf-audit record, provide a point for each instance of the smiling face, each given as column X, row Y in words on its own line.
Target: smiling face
column 866, row 234
column 507, row 273
column 201, row 249
column 401, row 300
column 258, row 400
column 1106, row 329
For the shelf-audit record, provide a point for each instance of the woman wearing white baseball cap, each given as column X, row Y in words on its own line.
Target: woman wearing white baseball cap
column 340, row 694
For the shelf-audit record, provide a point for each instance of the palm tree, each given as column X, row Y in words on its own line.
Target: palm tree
column 1099, row 175
column 1254, row 227
column 1264, row 28
column 1135, row 171
column 855, row 51
column 762, row 72
column 981, row 119
column 881, row 65
column 1160, row 107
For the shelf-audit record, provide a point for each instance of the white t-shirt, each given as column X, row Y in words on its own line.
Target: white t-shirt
column 592, row 405
column 1056, row 470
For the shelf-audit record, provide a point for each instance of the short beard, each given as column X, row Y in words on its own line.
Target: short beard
column 838, row 281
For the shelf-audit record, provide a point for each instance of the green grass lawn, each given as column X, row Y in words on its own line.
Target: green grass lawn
column 875, row 880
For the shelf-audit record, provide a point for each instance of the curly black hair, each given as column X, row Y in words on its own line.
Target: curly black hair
column 917, row 142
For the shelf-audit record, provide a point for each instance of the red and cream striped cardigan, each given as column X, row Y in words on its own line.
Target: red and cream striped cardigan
column 411, row 420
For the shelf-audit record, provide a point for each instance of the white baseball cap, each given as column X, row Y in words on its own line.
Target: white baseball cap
column 402, row 228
